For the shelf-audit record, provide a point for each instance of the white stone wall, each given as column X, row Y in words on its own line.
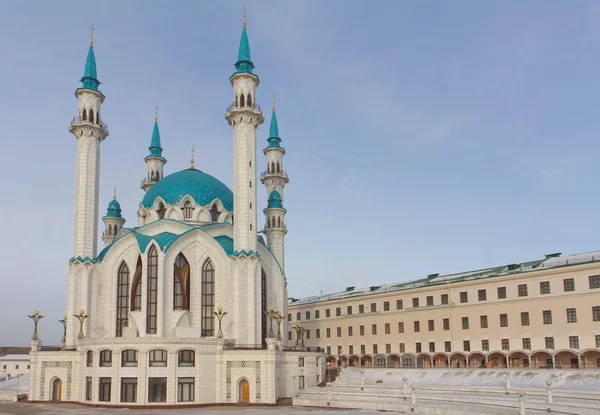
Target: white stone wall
column 11, row 366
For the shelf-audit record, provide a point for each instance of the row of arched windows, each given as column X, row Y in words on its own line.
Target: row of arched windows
column 85, row 116
column 243, row 101
column 112, row 230
column 274, row 222
column 181, row 292
column 273, row 168
column 154, row 176
column 188, row 210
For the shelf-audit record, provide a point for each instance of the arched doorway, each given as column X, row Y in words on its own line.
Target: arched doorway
column 56, row 390
column 244, row 391
column 408, row 360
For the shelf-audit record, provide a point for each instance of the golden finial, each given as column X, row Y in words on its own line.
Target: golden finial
column 115, row 193
column 244, row 24
column 273, row 102
column 192, row 160
column 92, row 37
column 156, row 115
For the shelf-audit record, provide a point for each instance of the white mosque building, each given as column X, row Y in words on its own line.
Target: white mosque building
column 143, row 325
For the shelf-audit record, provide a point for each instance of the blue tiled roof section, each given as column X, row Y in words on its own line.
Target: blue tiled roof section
column 155, row 148
column 202, row 187
column 226, row 243
column 114, row 209
column 274, row 200
column 244, row 63
column 245, row 253
column 90, row 77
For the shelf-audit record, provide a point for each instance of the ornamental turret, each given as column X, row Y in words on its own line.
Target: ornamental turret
column 154, row 161
column 90, row 131
column 113, row 221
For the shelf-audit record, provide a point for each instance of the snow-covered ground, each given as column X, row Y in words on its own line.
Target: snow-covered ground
column 10, row 387
column 563, row 380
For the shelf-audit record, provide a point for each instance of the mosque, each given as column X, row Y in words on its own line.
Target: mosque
column 186, row 307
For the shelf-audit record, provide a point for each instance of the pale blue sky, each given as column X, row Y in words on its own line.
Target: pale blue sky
column 422, row 137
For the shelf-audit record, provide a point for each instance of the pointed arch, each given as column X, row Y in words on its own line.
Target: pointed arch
column 161, row 210
column 214, row 213
column 152, row 291
column 84, row 115
column 208, row 298
column 110, row 229
column 242, row 101
column 91, row 115
column 152, row 175
column 263, row 306
column 278, row 168
column 249, row 99
column 279, row 221
column 272, row 167
column 181, row 283
column 187, row 210
column 136, row 287
column 122, row 298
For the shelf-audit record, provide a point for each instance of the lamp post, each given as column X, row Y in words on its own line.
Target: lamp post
column 64, row 337
column 270, row 313
column 507, row 380
column 279, row 318
column 36, row 317
column 404, row 379
column 299, row 334
column 327, row 373
column 220, row 314
column 81, row 317
column 18, row 376
column 549, row 384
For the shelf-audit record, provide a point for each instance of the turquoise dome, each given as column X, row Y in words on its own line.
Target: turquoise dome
column 114, row 209
column 274, row 200
column 202, row 187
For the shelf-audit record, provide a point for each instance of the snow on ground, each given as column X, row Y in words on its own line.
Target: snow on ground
column 575, row 380
column 10, row 384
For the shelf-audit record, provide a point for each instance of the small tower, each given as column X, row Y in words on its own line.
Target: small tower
column 113, row 221
column 89, row 131
column 155, row 161
column 275, row 178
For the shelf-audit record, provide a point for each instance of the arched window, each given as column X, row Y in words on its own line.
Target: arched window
column 152, row 175
column 242, row 101
column 91, row 115
column 84, row 115
column 214, row 213
column 129, row 358
column 161, row 211
column 181, row 284
column 208, row 299
column 278, row 169
column 269, row 223
column 263, row 304
column 157, row 176
column 89, row 359
column 187, row 210
column 136, row 287
column 115, row 229
column 279, row 221
column 272, row 167
column 152, row 300
column 110, row 229
column 249, row 100
column 122, row 298
column 186, row 358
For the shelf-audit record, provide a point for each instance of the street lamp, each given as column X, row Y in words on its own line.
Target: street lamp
column 279, row 318
column 220, row 314
column 36, row 317
column 299, row 334
column 270, row 313
column 64, row 323
column 81, row 317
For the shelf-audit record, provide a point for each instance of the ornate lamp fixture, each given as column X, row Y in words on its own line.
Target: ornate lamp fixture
column 64, row 323
column 279, row 318
column 81, row 317
column 36, row 317
column 299, row 334
column 220, row 314
column 270, row 313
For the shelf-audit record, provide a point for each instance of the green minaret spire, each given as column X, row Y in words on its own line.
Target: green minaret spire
column 155, row 147
column 90, row 77
column 244, row 63
column 274, row 140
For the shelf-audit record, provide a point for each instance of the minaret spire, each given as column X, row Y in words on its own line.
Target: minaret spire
column 154, row 161
column 192, row 160
column 92, row 36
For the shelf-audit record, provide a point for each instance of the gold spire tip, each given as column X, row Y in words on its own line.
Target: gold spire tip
column 192, row 160
column 156, row 115
column 115, row 193
column 244, row 24
column 273, row 102
column 92, row 36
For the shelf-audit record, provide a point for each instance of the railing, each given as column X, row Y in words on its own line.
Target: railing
column 58, row 349
column 302, row 349
column 253, row 106
column 232, row 346
column 272, row 173
column 77, row 118
column 147, row 180
column 267, row 227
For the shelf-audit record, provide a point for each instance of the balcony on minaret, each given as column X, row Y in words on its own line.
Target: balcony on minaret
column 269, row 173
column 252, row 105
column 78, row 120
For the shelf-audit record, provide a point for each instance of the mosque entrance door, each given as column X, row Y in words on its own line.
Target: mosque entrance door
column 244, row 391
column 56, row 389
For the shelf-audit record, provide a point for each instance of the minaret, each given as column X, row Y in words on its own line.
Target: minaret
column 113, row 221
column 154, row 161
column 275, row 178
column 89, row 131
column 245, row 116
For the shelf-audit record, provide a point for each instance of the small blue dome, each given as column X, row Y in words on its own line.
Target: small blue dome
column 274, row 200
column 202, row 187
column 114, row 209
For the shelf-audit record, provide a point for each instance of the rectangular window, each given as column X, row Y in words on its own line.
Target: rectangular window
column 298, row 316
column 465, row 323
column 327, row 312
column 317, row 314
column 157, row 389
column 289, row 316
column 464, row 297
column 501, row 292
column 105, row 358
column 415, row 302
column 482, row 295
column 505, row 344
column 430, row 300
column 157, row 358
column 431, row 325
column 89, row 360
column 301, row 382
column 129, row 389
column 417, row 326
column 545, row 287
column 338, row 311
column 594, row 281
column 307, row 334
column 398, row 304
column 290, row 335
column 503, row 320
column 400, row 327
column 328, row 332
column 485, row 345
column 418, row 347
column 328, row 349
column 104, row 390
column 300, row 362
column 152, row 292
column 362, row 349
column 387, row 328
column 525, row 319
column 526, row 343
column 547, row 316
column 386, row 306
column 446, row 322
column 350, row 351
column 549, row 342
column 349, row 310
column 208, row 300
column 388, row 348
column 431, row 347
column 444, row 299
column 401, row 348
column 596, row 313
column 597, row 341
column 318, row 333
column 571, row 315
column 375, row 349
column 307, row 317
column 373, row 307
column 362, row 330
column 466, row 345
column 374, row 329
column 350, row 331
column 448, row 347
column 129, row 358
column 361, row 309
column 574, row 342
column 522, row 288
column 88, row 388
column 186, row 358
column 483, row 322
column 569, row 284
column 185, row 389
column 339, row 332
